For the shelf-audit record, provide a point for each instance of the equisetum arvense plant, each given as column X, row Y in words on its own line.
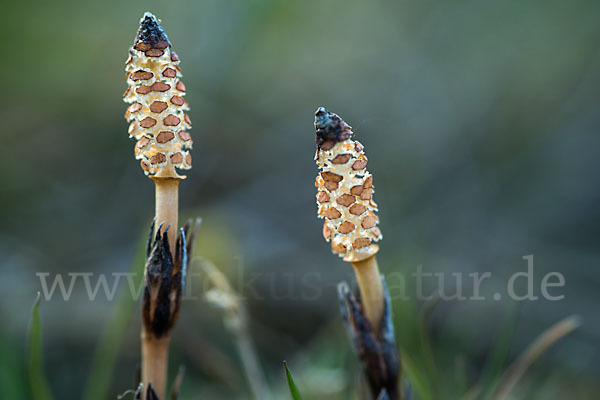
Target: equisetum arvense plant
column 345, row 201
column 159, row 124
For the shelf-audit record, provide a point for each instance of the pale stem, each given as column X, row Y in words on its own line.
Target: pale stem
column 371, row 290
column 155, row 360
column 167, row 199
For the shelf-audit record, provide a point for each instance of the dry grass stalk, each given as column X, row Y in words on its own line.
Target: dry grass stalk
column 236, row 318
column 546, row 340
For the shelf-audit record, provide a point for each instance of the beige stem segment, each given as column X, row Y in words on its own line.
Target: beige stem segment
column 371, row 289
column 167, row 199
column 155, row 360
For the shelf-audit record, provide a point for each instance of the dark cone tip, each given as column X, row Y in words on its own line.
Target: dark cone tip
column 324, row 118
column 329, row 127
column 151, row 33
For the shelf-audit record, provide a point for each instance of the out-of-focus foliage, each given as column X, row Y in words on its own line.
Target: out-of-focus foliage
column 38, row 383
column 480, row 120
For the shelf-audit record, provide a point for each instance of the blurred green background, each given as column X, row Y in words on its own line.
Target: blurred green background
column 480, row 120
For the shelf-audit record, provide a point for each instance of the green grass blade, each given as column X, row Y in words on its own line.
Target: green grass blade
column 39, row 387
column 13, row 379
column 417, row 379
column 293, row 388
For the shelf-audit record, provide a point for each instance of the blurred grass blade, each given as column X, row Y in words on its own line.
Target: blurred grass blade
column 107, row 351
column 532, row 353
column 12, row 364
column 473, row 393
column 498, row 359
column 408, row 391
column 39, row 387
column 418, row 380
column 460, row 376
column 425, row 340
column 223, row 296
column 293, row 388
column 177, row 384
